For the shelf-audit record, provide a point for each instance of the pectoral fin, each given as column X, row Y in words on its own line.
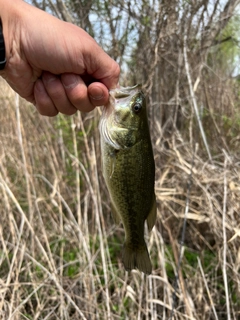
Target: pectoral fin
column 151, row 218
column 112, row 163
column 115, row 215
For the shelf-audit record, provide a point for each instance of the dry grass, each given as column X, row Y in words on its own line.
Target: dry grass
column 60, row 254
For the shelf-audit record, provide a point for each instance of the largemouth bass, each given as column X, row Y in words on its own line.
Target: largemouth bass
column 129, row 170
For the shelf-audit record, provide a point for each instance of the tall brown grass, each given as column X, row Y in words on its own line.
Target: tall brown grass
column 60, row 253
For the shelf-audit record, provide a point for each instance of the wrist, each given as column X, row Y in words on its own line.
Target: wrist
column 8, row 19
column 2, row 49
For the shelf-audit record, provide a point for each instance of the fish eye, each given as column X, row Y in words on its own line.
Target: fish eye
column 137, row 107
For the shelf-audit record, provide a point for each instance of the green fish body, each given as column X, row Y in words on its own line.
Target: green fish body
column 129, row 170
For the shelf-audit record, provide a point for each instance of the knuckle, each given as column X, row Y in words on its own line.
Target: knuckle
column 117, row 69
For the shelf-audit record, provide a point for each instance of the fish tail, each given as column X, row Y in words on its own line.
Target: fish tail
column 136, row 258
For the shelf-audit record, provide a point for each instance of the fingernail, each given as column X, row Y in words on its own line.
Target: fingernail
column 96, row 93
column 70, row 80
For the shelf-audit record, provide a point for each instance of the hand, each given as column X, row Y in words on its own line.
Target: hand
column 54, row 64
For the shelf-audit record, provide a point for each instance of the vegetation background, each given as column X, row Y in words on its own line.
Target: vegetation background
column 60, row 253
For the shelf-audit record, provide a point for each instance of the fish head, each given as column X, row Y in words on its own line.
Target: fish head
column 124, row 118
column 129, row 107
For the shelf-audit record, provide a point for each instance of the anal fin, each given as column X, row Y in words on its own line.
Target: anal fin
column 151, row 218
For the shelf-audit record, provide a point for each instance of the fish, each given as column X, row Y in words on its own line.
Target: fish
column 129, row 170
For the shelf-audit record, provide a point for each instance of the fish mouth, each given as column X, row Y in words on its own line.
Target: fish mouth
column 122, row 96
column 124, row 92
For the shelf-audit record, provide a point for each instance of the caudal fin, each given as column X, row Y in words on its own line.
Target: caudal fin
column 137, row 258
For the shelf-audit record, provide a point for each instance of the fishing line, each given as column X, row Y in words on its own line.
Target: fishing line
column 189, row 184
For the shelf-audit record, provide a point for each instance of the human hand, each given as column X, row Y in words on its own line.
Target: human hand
column 54, row 64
